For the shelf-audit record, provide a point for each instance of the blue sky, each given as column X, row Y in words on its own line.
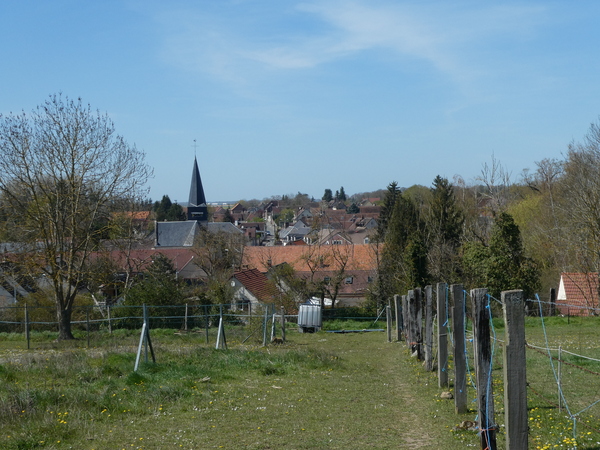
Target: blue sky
column 287, row 96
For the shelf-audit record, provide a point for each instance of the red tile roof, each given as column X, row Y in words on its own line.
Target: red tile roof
column 257, row 283
column 139, row 260
column 577, row 293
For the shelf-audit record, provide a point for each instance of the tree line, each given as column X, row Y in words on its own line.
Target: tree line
column 69, row 182
column 495, row 233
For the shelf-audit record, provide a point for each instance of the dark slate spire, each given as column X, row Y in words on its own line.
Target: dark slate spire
column 197, row 209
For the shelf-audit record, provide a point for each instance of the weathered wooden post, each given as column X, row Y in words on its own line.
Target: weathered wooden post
column 552, row 302
column 398, row 306
column 109, row 319
column 515, row 372
column 388, row 320
column 559, row 377
column 265, row 323
column 442, row 335
column 415, row 322
column 185, row 320
column 483, row 368
column 27, row 334
column 460, row 361
column 428, row 329
column 283, row 324
column 206, row 321
column 405, row 321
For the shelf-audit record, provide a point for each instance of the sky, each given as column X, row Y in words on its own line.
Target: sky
column 280, row 97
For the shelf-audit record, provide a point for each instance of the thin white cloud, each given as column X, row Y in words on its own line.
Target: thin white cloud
column 440, row 35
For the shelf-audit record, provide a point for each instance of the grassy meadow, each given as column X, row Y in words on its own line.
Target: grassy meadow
column 321, row 390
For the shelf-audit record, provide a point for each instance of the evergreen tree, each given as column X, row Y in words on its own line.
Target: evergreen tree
column 353, row 209
column 227, row 217
column 342, row 194
column 389, row 201
column 327, row 196
column 166, row 210
column 502, row 265
column 508, row 267
column 404, row 258
column 444, row 223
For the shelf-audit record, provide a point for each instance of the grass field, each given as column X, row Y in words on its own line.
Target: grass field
column 321, row 390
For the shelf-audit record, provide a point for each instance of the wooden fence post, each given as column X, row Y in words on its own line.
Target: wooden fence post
column 559, row 378
column 515, row 372
column 483, row 368
column 206, row 321
column 109, row 319
column 460, row 361
column 405, row 321
column 415, row 322
column 27, row 334
column 428, row 329
column 442, row 335
column 265, row 324
column 388, row 321
column 398, row 306
column 552, row 302
column 185, row 320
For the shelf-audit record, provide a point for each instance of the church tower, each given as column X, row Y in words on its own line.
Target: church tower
column 197, row 209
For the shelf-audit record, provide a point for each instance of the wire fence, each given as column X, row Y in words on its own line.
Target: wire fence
column 35, row 326
column 562, row 365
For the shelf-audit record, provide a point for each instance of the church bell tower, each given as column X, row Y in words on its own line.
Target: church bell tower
column 197, row 209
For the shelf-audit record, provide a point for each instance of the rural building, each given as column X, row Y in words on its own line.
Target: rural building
column 578, row 294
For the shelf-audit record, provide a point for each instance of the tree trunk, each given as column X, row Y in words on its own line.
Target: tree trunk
column 64, row 324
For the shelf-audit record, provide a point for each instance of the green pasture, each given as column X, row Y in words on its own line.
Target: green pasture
column 321, row 390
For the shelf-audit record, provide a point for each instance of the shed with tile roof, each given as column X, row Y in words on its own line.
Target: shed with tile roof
column 578, row 294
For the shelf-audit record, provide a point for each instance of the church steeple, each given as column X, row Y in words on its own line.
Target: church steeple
column 197, row 209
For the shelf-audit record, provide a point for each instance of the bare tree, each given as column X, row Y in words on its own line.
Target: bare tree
column 581, row 199
column 219, row 254
column 496, row 181
column 63, row 171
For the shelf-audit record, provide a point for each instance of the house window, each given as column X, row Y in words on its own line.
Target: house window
column 337, row 242
column 369, row 279
column 349, row 280
column 327, row 280
column 366, row 241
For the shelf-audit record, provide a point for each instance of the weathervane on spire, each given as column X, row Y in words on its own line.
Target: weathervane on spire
column 195, row 148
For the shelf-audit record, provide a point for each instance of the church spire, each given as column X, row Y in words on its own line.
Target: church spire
column 197, row 209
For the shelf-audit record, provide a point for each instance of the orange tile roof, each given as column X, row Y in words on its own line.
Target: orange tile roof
column 360, row 256
column 577, row 293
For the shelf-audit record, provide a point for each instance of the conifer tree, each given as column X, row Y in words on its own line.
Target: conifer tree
column 444, row 223
column 404, row 258
column 389, row 201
